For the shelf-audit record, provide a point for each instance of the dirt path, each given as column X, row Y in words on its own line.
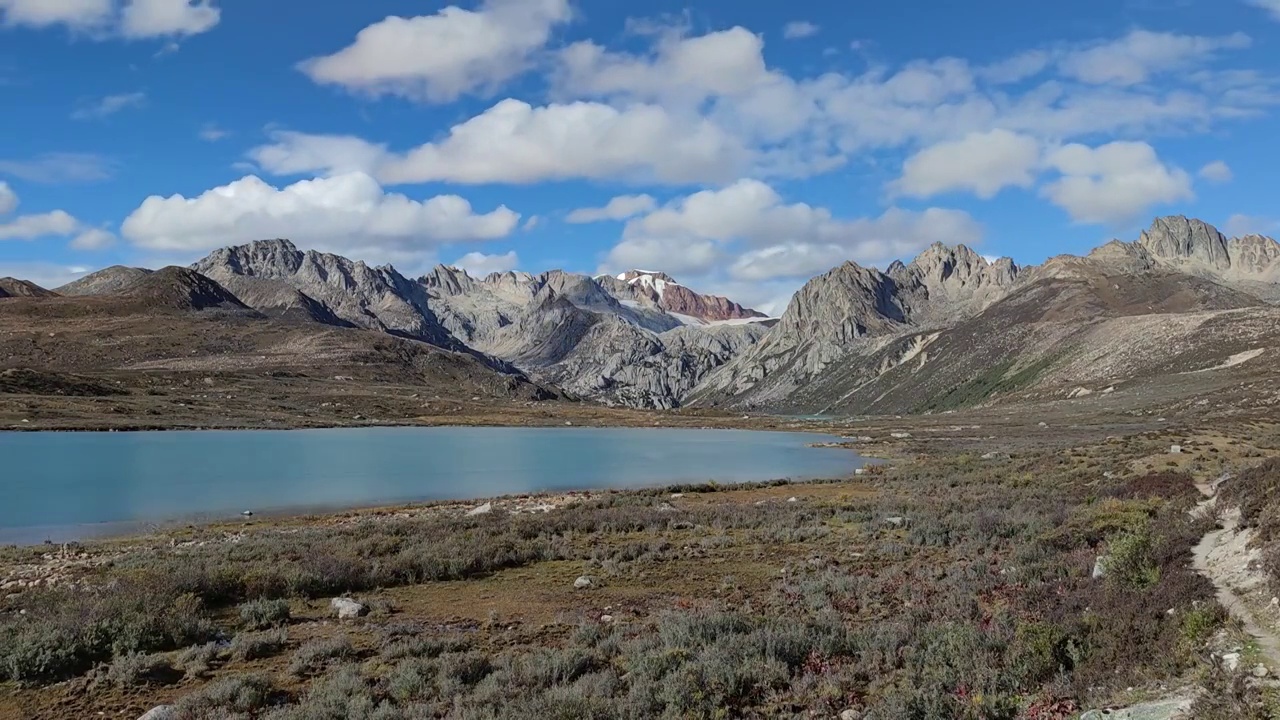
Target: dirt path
column 1223, row 557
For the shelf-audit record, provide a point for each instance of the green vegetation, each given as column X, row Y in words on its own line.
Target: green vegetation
column 999, row 378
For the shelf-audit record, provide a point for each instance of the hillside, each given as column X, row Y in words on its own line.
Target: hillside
column 951, row 330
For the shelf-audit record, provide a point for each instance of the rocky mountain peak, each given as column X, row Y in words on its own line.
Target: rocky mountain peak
column 1185, row 239
column 448, row 280
column 13, row 287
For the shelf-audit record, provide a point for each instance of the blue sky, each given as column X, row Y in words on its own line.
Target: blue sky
column 741, row 146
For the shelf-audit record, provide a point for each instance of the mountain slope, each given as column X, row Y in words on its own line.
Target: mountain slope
column 951, row 330
column 13, row 287
column 328, row 286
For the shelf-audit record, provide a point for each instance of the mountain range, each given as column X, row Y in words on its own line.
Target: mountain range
column 949, row 329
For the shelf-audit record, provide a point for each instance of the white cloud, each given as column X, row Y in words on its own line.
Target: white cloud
column 110, row 105
column 30, row 227
column 672, row 255
column 56, row 223
column 1271, row 6
column 1216, row 172
column 1239, row 225
column 517, row 143
column 480, row 264
column 799, row 29
column 1138, row 56
column 1114, row 183
column 726, row 62
column 618, row 208
column 212, row 133
column 167, row 18
column 440, row 57
column 347, row 213
column 772, row 239
column 533, row 222
column 75, row 14
column 1017, row 67
column 981, row 163
column 93, row 239
column 8, row 199
column 101, row 19
column 59, row 168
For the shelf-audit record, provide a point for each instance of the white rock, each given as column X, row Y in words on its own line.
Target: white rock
column 484, row 509
column 896, row 520
column 1260, row 671
column 900, row 435
column 347, row 609
column 1175, row 449
column 676, row 496
column 159, row 712
column 606, row 618
column 1044, row 424
column 582, row 583
column 1231, row 661
column 793, row 499
column 1099, row 568
column 850, row 714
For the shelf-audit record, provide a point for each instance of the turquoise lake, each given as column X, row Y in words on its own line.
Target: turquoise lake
column 68, row 486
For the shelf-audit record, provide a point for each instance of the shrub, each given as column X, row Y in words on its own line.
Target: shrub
column 1129, row 560
column 262, row 613
column 252, row 646
column 315, row 654
column 238, row 694
column 197, row 660
column 133, row 669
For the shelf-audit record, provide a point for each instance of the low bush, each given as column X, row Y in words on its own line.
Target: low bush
column 252, row 646
column 263, row 613
column 315, row 654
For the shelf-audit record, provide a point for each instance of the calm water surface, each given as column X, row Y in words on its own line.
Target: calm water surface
column 65, row 486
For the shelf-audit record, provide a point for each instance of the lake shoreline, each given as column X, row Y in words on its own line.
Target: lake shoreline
column 409, row 469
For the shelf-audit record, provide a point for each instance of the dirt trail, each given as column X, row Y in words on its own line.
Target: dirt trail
column 1223, row 558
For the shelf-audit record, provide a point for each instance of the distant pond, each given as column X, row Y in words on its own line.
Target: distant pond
column 67, row 486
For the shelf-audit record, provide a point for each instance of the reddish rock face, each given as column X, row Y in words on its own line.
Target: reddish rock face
column 669, row 295
column 682, row 300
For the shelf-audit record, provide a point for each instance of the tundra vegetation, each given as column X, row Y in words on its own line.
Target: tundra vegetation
column 937, row 588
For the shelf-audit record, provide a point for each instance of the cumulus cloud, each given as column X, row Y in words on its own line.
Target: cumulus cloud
column 93, row 239
column 1216, row 172
column 101, row 19
column 981, row 163
column 347, row 213
column 1136, row 57
column 518, row 143
column 1114, row 183
column 480, row 264
column 56, row 223
column 437, row 58
column 799, row 29
column 167, row 18
column 618, row 208
column 773, row 239
column 109, row 105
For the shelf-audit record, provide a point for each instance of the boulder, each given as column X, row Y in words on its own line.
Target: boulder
column 896, row 521
column 160, row 712
column 347, row 609
column 1231, row 661
column 1099, row 568
column 582, row 583
column 484, row 509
